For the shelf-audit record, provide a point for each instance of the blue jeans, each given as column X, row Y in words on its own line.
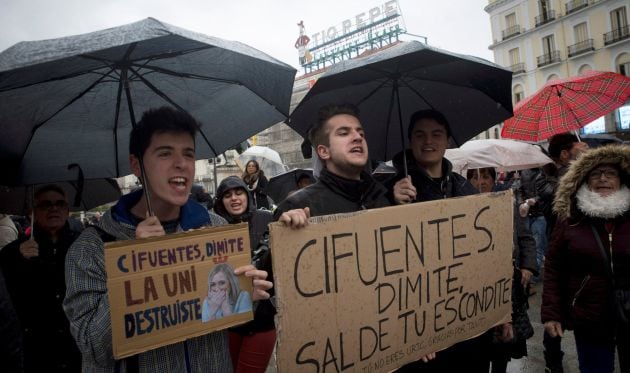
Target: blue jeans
column 538, row 227
column 594, row 356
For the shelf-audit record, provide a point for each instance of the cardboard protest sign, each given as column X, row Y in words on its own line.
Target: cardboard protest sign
column 167, row 289
column 374, row 290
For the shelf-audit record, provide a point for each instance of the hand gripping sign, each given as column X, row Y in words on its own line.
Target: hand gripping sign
column 374, row 290
column 167, row 289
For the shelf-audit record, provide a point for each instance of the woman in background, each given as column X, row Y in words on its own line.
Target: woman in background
column 256, row 182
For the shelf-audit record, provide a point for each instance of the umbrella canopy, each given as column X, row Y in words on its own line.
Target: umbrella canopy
column 504, row 155
column 75, row 99
column 268, row 159
column 93, row 193
column 390, row 85
column 567, row 105
column 281, row 185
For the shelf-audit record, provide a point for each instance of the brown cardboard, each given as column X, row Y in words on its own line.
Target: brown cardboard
column 329, row 315
column 138, row 272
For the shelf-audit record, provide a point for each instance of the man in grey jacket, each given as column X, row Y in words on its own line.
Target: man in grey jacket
column 164, row 142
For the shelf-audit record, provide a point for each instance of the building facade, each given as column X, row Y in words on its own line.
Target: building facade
column 541, row 40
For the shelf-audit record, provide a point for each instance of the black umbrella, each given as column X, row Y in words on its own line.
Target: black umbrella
column 390, row 85
column 90, row 194
column 75, row 99
column 280, row 186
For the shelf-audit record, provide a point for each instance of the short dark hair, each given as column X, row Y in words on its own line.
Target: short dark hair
column 160, row 120
column 560, row 142
column 318, row 134
column 428, row 114
column 49, row 188
column 482, row 171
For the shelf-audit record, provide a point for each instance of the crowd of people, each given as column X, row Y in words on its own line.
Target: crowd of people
column 571, row 231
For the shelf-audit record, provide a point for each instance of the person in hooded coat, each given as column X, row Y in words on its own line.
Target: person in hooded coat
column 251, row 344
column 578, row 291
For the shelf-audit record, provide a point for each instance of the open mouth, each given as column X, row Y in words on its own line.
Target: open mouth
column 178, row 182
column 357, row 149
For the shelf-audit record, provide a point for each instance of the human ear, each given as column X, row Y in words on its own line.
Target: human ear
column 323, row 152
column 134, row 164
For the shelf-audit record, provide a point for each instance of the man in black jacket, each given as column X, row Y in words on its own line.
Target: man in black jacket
column 34, row 272
column 430, row 177
column 343, row 184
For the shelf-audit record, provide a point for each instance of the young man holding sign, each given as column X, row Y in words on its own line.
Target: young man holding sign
column 164, row 141
column 343, row 185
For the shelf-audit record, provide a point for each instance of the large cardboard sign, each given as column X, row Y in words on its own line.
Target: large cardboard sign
column 371, row 291
column 167, row 289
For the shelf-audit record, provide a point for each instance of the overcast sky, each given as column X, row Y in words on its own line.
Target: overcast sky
column 460, row 26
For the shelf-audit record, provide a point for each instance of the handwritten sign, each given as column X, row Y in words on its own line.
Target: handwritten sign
column 374, row 290
column 167, row 289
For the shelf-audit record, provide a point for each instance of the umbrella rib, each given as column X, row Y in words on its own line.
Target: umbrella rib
column 63, row 77
column 184, row 75
column 373, row 92
column 412, row 89
column 81, row 94
column 170, row 101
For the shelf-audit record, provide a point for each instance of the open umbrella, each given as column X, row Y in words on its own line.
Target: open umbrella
column 281, row 185
column 75, row 99
column 268, row 159
column 505, row 155
column 567, row 105
column 92, row 193
column 390, row 85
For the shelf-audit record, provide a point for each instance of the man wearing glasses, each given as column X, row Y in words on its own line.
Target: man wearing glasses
column 33, row 268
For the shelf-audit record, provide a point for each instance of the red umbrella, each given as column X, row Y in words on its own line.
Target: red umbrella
column 567, row 105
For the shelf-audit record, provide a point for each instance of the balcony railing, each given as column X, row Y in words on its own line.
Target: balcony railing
column 575, row 5
column 581, row 47
column 545, row 17
column 549, row 58
column 616, row 35
column 511, row 31
column 518, row 68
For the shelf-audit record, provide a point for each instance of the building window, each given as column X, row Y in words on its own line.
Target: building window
column 580, row 32
column 517, row 93
column 510, row 20
column 548, row 45
column 618, row 18
column 619, row 26
column 624, row 69
column 514, row 56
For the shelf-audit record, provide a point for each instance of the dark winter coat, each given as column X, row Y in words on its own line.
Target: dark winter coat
column 11, row 354
column 428, row 189
column 332, row 194
column 577, row 292
column 258, row 239
column 258, row 187
column 37, row 287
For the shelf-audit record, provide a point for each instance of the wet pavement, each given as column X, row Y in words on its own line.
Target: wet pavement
column 535, row 361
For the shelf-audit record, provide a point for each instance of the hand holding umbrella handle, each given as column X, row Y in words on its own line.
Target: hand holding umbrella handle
column 150, row 227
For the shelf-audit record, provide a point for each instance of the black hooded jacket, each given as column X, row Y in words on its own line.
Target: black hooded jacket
column 427, row 189
column 258, row 236
column 333, row 194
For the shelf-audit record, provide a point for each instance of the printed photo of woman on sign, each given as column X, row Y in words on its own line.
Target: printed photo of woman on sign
column 224, row 295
